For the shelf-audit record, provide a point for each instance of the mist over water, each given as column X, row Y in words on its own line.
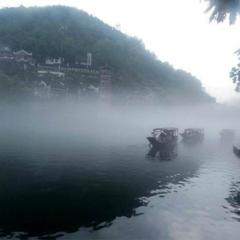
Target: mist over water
column 74, row 170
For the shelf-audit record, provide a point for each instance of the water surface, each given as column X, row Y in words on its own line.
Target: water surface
column 72, row 185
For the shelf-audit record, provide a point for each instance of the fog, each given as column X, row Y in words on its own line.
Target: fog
column 108, row 124
column 69, row 166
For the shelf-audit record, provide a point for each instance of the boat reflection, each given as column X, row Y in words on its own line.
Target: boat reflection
column 163, row 143
column 166, row 152
column 234, row 200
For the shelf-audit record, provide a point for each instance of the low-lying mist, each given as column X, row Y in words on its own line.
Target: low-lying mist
column 67, row 165
column 108, row 124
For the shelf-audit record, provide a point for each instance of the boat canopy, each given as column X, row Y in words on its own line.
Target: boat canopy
column 194, row 130
column 227, row 131
column 166, row 131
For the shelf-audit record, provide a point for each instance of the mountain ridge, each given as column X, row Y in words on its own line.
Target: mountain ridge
column 60, row 31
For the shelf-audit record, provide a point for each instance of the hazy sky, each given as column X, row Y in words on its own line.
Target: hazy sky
column 176, row 31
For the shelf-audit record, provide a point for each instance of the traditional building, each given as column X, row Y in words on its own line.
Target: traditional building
column 88, row 62
column 23, row 56
column 20, row 56
column 17, row 63
column 89, row 59
column 53, row 61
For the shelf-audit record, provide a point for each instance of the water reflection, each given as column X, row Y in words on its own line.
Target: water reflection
column 52, row 185
column 234, row 200
column 167, row 152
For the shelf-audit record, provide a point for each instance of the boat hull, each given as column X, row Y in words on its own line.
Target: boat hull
column 194, row 139
column 165, row 150
column 236, row 150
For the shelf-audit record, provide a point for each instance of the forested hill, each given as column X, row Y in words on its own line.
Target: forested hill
column 66, row 32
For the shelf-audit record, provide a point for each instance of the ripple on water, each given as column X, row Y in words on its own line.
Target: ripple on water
column 115, row 192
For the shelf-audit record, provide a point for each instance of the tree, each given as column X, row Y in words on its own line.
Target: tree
column 70, row 33
column 11, row 88
column 221, row 9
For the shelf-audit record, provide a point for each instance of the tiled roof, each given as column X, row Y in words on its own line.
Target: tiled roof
column 23, row 52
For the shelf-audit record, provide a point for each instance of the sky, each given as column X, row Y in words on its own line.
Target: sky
column 177, row 32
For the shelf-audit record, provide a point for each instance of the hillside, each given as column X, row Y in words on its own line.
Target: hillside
column 69, row 33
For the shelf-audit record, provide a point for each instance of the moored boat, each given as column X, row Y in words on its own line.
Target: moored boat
column 193, row 135
column 163, row 141
column 161, row 136
column 236, row 150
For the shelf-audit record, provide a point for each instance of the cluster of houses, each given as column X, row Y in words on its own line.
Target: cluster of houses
column 50, row 77
column 13, row 62
column 54, row 64
column 20, row 56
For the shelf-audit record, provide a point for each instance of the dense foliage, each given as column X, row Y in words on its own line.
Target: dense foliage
column 69, row 33
column 221, row 9
column 13, row 88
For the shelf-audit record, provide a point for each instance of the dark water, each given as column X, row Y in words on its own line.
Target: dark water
column 71, row 188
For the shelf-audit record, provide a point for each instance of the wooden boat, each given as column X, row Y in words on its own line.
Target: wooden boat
column 163, row 141
column 236, row 150
column 161, row 136
column 193, row 135
column 227, row 135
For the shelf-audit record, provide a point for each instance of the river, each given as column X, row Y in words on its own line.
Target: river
column 67, row 186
